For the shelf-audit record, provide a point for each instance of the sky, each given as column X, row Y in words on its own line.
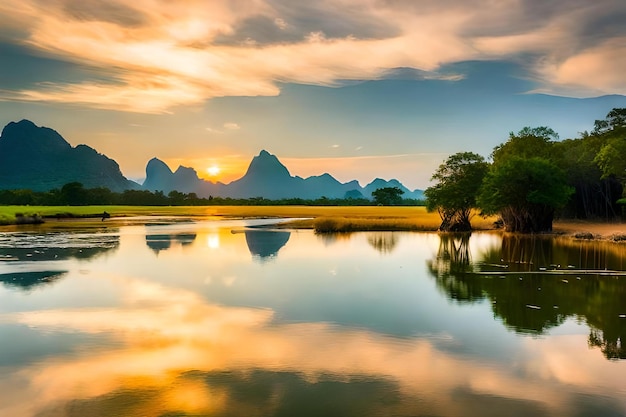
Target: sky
column 356, row 88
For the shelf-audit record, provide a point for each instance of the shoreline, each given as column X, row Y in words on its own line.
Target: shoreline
column 574, row 229
column 581, row 229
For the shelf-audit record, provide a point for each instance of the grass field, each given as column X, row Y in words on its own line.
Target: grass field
column 323, row 218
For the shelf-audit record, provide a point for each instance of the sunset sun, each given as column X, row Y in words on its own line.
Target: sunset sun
column 213, row 170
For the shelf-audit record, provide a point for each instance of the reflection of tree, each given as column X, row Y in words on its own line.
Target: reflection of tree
column 266, row 243
column 331, row 238
column 56, row 246
column 611, row 348
column 383, row 242
column 31, row 249
column 30, row 279
column 451, row 265
column 530, row 300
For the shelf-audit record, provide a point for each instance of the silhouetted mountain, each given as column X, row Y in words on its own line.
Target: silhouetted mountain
column 159, row 177
column 266, row 177
column 380, row 183
column 38, row 158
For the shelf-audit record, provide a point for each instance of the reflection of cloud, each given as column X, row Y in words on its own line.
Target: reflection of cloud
column 155, row 55
column 163, row 332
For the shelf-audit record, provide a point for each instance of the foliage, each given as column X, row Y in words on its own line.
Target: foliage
column 615, row 121
column 388, row 196
column 454, row 196
column 611, row 157
column 525, row 192
column 525, row 184
column 528, row 142
column 74, row 194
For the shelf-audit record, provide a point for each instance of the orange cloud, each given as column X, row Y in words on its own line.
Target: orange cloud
column 163, row 54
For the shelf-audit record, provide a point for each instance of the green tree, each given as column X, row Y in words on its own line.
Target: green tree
column 74, row 194
column 388, row 196
column 527, row 143
column 454, row 195
column 525, row 192
column 611, row 157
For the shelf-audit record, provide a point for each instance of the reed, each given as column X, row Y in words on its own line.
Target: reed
column 324, row 219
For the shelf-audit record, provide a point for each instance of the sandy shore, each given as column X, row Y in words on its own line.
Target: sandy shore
column 597, row 229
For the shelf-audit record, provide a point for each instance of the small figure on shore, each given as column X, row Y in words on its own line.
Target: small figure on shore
column 105, row 215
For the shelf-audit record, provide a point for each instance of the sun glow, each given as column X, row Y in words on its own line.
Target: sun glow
column 213, row 170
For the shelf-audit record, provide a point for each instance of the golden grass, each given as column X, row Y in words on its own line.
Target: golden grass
column 322, row 218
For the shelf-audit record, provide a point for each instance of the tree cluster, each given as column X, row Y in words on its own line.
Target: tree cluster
column 75, row 194
column 533, row 176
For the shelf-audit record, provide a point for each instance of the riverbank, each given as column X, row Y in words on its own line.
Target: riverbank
column 591, row 229
column 328, row 218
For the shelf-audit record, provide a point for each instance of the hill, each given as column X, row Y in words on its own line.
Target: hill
column 40, row 159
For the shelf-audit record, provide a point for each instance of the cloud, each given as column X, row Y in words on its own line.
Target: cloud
column 231, row 126
column 151, row 56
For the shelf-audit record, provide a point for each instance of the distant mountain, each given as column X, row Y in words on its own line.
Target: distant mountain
column 38, row 158
column 266, row 177
column 159, row 177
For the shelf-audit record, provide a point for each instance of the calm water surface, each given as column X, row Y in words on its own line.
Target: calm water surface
column 220, row 319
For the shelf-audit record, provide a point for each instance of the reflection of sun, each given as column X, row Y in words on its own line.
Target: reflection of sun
column 213, row 170
column 213, row 241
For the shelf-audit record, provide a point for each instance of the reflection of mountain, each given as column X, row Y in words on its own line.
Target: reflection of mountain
column 546, row 297
column 266, row 243
column 159, row 242
column 28, row 280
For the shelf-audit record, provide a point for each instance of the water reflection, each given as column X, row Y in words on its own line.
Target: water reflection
column 538, row 253
column 160, row 242
column 35, row 247
column 179, row 355
column 383, row 242
column 265, row 244
column 211, row 331
column 29, row 260
column 30, row 279
column 536, row 283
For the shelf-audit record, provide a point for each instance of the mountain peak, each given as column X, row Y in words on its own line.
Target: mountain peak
column 267, row 165
column 156, row 166
column 27, row 135
column 38, row 158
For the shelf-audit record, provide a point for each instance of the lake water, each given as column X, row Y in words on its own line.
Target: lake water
column 217, row 318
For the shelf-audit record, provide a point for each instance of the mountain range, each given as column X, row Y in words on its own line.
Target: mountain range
column 266, row 177
column 40, row 159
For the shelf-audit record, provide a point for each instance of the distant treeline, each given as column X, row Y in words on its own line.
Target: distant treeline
column 74, row 194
